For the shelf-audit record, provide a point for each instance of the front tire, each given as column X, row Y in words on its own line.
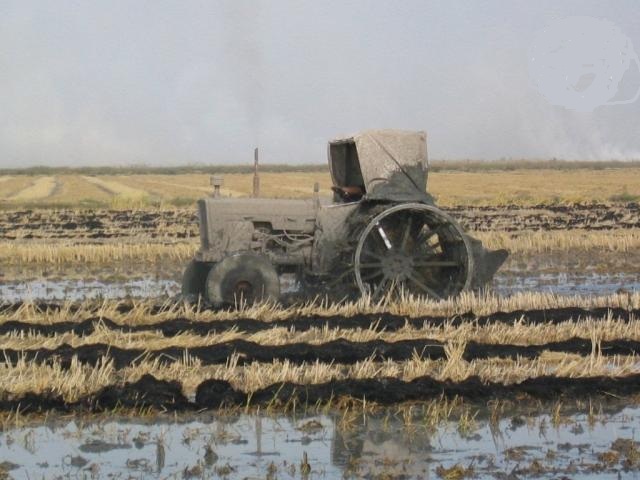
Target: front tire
column 194, row 280
column 242, row 279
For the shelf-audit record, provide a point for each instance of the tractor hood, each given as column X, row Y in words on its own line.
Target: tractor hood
column 388, row 164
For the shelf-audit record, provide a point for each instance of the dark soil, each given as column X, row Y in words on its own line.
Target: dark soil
column 337, row 351
column 392, row 390
column 97, row 224
column 146, row 392
column 211, row 394
column 514, row 218
column 180, row 223
column 384, row 321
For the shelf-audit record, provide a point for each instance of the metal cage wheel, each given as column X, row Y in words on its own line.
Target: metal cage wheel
column 415, row 248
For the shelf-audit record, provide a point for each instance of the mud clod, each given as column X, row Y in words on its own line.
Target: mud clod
column 609, row 458
column 457, row 472
column 217, row 393
column 146, row 392
column 630, row 449
column 99, row 446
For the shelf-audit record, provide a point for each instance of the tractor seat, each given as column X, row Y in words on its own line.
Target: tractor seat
column 350, row 193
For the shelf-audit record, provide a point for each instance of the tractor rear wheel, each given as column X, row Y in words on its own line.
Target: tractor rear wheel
column 413, row 248
column 242, row 279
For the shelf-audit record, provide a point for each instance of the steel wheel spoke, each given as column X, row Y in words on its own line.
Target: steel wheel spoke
column 384, row 236
column 369, row 253
column 423, row 287
column 406, row 234
column 383, row 283
column 371, row 276
column 371, row 265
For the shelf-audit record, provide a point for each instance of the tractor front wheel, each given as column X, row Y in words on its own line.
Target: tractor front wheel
column 242, row 279
column 194, row 280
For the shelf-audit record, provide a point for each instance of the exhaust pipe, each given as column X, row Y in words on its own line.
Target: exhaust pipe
column 256, row 177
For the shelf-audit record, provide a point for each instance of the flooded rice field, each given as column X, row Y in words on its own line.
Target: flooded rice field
column 98, row 376
column 78, row 290
column 561, row 283
column 418, row 441
column 565, row 274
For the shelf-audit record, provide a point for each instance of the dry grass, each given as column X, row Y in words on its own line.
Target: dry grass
column 522, row 187
column 40, row 188
column 80, row 380
column 185, row 186
column 522, row 333
column 115, row 187
column 60, row 252
column 13, row 253
column 122, row 196
column 77, row 188
column 531, row 187
column 618, row 241
column 143, row 312
column 14, row 185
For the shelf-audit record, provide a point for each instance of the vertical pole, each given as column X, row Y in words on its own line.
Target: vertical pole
column 259, row 435
column 316, row 195
column 256, row 178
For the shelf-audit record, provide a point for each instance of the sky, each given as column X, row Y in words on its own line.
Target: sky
column 130, row 82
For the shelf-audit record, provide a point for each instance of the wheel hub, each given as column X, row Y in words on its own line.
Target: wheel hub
column 244, row 288
column 398, row 266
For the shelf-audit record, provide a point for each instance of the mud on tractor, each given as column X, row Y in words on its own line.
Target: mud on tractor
column 381, row 234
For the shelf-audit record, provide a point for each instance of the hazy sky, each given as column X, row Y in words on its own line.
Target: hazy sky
column 175, row 82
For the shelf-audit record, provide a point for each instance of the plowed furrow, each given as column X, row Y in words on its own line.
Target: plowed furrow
column 150, row 392
column 184, row 224
column 337, row 351
column 387, row 322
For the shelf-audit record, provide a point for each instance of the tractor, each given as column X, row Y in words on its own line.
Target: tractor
column 381, row 235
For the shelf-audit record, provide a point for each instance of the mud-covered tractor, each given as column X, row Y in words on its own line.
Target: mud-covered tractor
column 380, row 235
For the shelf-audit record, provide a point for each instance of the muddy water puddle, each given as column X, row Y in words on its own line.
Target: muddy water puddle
column 77, row 290
column 392, row 444
column 567, row 283
column 507, row 283
column 572, row 273
column 567, row 274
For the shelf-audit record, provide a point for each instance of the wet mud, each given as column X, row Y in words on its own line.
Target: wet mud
column 512, row 218
column 383, row 321
column 337, row 351
column 97, row 224
column 386, row 391
column 149, row 392
column 109, row 224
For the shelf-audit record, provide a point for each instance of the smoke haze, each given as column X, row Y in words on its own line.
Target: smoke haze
column 171, row 83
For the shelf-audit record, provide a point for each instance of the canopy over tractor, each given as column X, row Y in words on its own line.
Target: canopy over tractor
column 380, row 236
column 385, row 164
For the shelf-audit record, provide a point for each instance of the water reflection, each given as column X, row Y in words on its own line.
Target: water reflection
column 507, row 283
column 396, row 443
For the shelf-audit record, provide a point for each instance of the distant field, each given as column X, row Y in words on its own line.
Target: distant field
column 434, row 166
column 490, row 187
